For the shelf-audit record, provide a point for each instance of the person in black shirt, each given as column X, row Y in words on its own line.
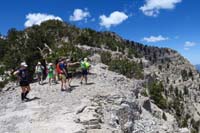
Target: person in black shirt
column 22, row 73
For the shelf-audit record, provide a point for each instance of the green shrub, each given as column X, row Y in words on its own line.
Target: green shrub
column 144, row 93
column 106, row 57
column 2, row 69
column 128, row 68
column 123, row 66
column 184, row 122
column 131, row 53
column 184, row 75
column 156, row 89
column 195, row 125
column 2, row 84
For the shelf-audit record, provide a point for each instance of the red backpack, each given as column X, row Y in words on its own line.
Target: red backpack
column 59, row 71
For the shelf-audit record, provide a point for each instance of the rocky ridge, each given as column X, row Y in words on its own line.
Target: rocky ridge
column 110, row 103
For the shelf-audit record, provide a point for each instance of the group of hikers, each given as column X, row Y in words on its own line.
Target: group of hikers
column 55, row 72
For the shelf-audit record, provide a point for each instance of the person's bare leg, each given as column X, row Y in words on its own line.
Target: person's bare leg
column 54, row 78
column 69, row 81
column 65, row 84
column 61, row 84
column 38, row 78
column 41, row 78
column 28, row 88
column 82, row 77
column 85, row 79
column 49, row 81
column 27, row 91
column 23, row 93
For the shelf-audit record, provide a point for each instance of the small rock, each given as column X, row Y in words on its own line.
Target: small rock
column 184, row 130
column 80, row 109
column 164, row 127
column 147, row 105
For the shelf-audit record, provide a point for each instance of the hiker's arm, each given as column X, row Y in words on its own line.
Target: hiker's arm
column 73, row 64
column 36, row 69
column 16, row 72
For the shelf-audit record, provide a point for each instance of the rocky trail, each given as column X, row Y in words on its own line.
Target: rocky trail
column 108, row 104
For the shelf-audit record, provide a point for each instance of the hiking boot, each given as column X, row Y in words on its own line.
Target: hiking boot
column 63, row 89
column 22, row 96
column 26, row 98
column 68, row 90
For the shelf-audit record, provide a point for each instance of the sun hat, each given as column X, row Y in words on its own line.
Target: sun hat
column 85, row 59
column 24, row 64
column 67, row 60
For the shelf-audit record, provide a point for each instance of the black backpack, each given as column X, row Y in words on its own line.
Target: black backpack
column 23, row 74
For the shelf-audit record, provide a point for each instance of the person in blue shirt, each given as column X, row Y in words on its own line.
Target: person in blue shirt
column 62, row 74
column 62, row 70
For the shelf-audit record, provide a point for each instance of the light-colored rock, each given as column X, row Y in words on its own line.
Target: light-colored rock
column 184, row 130
column 108, row 105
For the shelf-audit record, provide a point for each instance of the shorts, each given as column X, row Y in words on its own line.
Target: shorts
column 84, row 72
column 50, row 75
column 39, row 74
column 62, row 76
column 24, row 83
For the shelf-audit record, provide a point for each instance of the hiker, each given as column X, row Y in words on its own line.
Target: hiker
column 39, row 72
column 60, row 67
column 68, row 64
column 55, row 75
column 22, row 73
column 85, row 65
column 50, row 72
column 56, row 70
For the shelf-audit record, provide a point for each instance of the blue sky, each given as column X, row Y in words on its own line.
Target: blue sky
column 164, row 23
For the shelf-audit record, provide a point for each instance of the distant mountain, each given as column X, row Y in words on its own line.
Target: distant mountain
column 198, row 67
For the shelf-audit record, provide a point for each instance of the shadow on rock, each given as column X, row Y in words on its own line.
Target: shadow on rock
column 33, row 99
column 72, row 87
column 91, row 83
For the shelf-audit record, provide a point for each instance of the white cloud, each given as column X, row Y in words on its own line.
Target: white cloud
column 2, row 37
column 155, row 38
column 153, row 7
column 185, row 48
column 38, row 18
column 115, row 18
column 79, row 15
column 188, row 45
